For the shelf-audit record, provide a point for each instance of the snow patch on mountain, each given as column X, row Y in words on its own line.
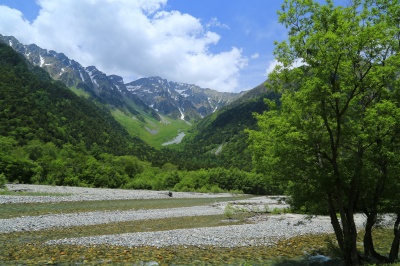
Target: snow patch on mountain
column 41, row 61
column 90, row 73
column 80, row 74
column 133, row 88
column 182, row 114
column 118, row 87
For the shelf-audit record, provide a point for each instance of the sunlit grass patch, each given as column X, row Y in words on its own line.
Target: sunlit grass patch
column 165, row 131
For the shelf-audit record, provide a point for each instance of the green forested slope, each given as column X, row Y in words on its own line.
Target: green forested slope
column 220, row 139
column 46, row 129
column 49, row 135
column 35, row 107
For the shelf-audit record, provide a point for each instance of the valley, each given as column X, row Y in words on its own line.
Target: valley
column 76, row 137
column 153, row 102
column 99, row 168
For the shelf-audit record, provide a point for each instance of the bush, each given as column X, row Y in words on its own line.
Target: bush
column 171, row 179
column 229, row 211
column 3, row 180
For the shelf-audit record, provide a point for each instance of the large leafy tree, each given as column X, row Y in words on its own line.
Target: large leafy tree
column 334, row 136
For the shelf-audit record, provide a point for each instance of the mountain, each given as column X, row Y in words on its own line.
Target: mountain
column 102, row 113
column 152, row 109
column 108, row 90
column 179, row 100
column 220, row 139
column 35, row 107
column 153, row 95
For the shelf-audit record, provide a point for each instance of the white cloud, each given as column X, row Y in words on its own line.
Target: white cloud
column 131, row 38
column 11, row 20
column 214, row 22
column 271, row 66
column 273, row 63
column 255, row 56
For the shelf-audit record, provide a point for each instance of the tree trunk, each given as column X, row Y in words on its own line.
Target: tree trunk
column 369, row 249
column 352, row 238
column 394, row 250
column 346, row 233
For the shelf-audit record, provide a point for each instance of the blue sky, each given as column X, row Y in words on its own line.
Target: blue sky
column 222, row 45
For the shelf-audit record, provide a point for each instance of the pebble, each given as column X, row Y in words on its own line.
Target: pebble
column 35, row 223
column 93, row 194
column 263, row 230
column 265, row 233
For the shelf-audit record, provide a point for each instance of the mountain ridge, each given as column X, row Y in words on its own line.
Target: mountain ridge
column 216, row 138
column 176, row 100
column 180, row 100
column 35, row 107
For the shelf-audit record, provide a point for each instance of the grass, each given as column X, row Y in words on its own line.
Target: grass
column 166, row 131
column 80, row 92
column 31, row 209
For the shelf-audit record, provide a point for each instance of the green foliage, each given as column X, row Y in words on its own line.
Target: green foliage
column 70, row 165
column 45, row 163
column 229, row 211
column 3, row 180
column 333, row 138
column 33, row 107
column 52, row 135
column 224, row 130
column 214, row 180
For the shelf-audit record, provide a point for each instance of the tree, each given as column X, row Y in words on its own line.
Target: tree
column 333, row 138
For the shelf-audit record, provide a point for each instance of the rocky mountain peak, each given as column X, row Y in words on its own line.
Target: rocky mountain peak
column 173, row 99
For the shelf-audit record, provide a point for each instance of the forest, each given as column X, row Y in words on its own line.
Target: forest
column 51, row 136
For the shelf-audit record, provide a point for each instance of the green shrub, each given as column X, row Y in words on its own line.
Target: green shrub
column 216, row 189
column 3, row 180
column 171, row 179
column 139, row 183
column 184, row 188
column 229, row 211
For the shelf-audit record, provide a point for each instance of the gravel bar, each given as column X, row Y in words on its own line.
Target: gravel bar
column 260, row 230
column 92, row 194
column 35, row 223
column 265, row 233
